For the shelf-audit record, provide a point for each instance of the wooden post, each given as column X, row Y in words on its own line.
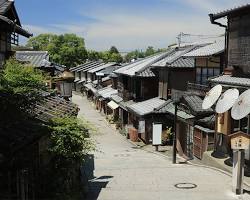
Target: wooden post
column 239, row 143
column 238, row 170
column 156, row 147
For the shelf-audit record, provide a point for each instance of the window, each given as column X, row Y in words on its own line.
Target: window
column 203, row 73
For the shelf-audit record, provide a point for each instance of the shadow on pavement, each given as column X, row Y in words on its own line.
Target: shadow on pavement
column 92, row 185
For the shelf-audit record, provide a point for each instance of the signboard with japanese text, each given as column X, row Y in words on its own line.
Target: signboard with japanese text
column 141, row 127
column 240, row 140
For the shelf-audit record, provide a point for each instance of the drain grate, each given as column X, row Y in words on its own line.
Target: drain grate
column 185, row 185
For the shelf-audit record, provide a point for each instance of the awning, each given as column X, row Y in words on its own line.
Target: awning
column 113, row 105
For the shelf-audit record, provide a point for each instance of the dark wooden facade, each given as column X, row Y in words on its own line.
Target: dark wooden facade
column 206, row 67
column 10, row 28
column 137, row 88
column 174, row 79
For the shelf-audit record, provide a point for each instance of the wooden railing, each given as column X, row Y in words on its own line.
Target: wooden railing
column 197, row 89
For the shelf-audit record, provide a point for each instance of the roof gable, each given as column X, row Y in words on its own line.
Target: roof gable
column 240, row 10
column 8, row 9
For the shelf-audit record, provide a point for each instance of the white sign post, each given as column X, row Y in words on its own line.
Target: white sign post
column 239, row 143
column 157, row 132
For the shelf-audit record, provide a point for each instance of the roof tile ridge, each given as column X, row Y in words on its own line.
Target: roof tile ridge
column 164, row 54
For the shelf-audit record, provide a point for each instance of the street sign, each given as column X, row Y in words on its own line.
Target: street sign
column 141, row 127
column 239, row 143
column 157, row 131
column 240, row 140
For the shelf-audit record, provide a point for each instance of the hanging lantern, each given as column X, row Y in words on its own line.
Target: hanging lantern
column 66, row 83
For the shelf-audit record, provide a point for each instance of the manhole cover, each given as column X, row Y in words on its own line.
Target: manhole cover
column 121, row 155
column 185, row 185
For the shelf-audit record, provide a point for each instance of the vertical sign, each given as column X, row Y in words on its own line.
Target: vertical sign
column 157, row 131
column 141, row 128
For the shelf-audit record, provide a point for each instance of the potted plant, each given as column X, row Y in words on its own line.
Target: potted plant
column 167, row 136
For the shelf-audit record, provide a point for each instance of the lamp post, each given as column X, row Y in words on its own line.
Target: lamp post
column 66, row 84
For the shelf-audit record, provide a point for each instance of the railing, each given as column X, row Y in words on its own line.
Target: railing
column 198, row 89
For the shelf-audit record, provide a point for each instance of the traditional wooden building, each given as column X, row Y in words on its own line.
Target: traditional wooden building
column 237, row 70
column 90, row 72
column 10, row 30
column 23, row 150
column 208, row 60
column 40, row 60
column 135, row 83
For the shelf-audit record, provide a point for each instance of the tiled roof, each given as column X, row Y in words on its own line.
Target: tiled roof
column 89, row 67
column 229, row 80
column 4, row 6
column 101, row 67
column 169, row 108
column 146, row 73
column 146, row 107
column 212, row 49
column 137, row 67
column 15, row 27
column 91, row 87
column 208, row 122
column 116, row 98
column 86, row 66
column 54, row 106
column 195, row 104
column 110, row 70
column 243, row 8
column 206, row 130
column 172, row 59
column 124, row 104
column 35, row 58
column 106, row 92
column 183, row 63
column 103, row 80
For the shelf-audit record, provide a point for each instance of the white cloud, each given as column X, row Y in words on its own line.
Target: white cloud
column 130, row 30
column 214, row 6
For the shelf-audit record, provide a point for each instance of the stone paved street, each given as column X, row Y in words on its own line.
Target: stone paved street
column 123, row 172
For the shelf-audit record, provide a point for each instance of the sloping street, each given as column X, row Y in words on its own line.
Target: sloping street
column 121, row 171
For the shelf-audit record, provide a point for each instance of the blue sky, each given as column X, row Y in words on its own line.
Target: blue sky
column 127, row 24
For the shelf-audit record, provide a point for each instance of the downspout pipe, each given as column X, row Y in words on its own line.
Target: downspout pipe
column 212, row 20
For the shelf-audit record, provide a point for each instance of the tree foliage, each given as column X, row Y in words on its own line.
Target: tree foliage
column 136, row 54
column 69, row 139
column 69, row 145
column 20, row 89
column 112, row 55
column 41, row 42
column 94, row 55
column 114, row 50
column 66, row 49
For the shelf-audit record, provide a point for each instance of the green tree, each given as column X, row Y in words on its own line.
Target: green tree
column 41, row 42
column 134, row 55
column 115, row 57
column 20, row 89
column 94, row 55
column 70, row 139
column 67, row 49
column 107, row 56
column 114, row 50
column 70, row 143
column 150, row 51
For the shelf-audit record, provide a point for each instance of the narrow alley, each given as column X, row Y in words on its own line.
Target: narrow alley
column 124, row 172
